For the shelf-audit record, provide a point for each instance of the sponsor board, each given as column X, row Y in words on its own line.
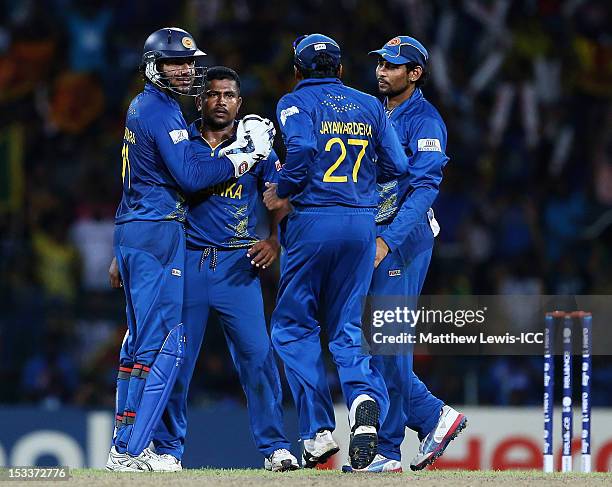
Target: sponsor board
column 502, row 438
column 495, row 439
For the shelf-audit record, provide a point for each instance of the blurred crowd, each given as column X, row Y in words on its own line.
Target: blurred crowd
column 525, row 88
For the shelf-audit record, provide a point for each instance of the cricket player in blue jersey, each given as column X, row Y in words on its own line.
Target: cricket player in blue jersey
column 160, row 168
column 222, row 264
column 405, row 229
column 337, row 138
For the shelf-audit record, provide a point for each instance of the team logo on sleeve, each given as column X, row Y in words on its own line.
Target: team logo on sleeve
column 287, row 112
column 429, row 145
column 178, row 135
column 243, row 167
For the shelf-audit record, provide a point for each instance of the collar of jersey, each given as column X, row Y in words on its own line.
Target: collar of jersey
column 316, row 81
column 194, row 133
column 416, row 96
column 150, row 88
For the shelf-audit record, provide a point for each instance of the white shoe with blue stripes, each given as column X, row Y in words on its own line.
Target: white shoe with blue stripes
column 380, row 464
column 450, row 424
column 147, row 461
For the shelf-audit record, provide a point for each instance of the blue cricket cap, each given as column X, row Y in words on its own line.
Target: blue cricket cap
column 306, row 47
column 403, row 50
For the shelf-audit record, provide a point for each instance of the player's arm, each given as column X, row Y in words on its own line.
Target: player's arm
column 428, row 146
column 192, row 171
column 298, row 135
column 265, row 252
column 196, row 170
column 392, row 160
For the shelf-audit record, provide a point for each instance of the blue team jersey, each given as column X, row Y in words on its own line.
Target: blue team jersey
column 404, row 202
column 336, row 139
column 224, row 215
column 159, row 164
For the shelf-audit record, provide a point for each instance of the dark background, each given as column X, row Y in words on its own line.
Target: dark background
column 525, row 88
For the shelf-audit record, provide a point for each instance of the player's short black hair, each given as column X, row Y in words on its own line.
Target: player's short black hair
column 424, row 76
column 325, row 67
column 221, row 72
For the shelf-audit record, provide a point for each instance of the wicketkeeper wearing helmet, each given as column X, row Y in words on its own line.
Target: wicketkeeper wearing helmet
column 159, row 169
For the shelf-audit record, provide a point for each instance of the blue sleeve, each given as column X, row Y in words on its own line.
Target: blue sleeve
column 428, row 146
column 298, row 134
column 269, row 169
column 192, row 171
column 392, row 161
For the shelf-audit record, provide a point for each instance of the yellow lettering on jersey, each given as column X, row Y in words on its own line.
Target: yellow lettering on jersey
column 129, row 136
column 125, row 157
column 341, row 128
column 227, row 190
column 329, row 177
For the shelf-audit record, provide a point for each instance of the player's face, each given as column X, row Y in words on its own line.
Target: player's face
column 392, row 78
column 221, row 103
column 179, row 73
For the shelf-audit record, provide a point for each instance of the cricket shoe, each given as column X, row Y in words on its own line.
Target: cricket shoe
column 167, row 462
column 363, row 421
column 147, row 461
column 380, row 464
column 281, row 460
column 319, row 449
column 450, row 424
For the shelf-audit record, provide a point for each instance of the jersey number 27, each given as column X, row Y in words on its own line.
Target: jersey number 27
column 328, row 177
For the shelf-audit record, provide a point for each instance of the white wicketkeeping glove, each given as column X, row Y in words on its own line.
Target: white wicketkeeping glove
column 262, row 134
column 254, row 138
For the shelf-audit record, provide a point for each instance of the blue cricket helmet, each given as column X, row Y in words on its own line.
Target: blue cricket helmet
column 171, row 43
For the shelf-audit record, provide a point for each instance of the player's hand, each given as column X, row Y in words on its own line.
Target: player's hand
column 254, row 139
column 262, row 132
column 264, row 252
column 113, row 275
column 271, row 199
column 382, row 249
column 241, row 152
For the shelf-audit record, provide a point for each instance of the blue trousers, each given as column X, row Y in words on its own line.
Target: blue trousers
column 151, row 257
column 227, row 282
column 410, row 402
column 328, row 263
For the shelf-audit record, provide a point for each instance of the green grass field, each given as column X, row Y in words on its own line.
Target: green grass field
column 313, row 478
